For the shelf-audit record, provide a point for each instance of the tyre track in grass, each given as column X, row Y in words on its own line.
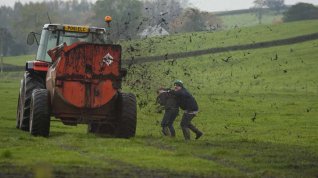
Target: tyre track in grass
column 222, row 162
column 120, row 169
column 182, row 55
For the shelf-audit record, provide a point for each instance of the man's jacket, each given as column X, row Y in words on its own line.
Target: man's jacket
column 168, row 100
column 185, row 100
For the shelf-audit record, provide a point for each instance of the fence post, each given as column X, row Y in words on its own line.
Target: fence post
column 1, row 56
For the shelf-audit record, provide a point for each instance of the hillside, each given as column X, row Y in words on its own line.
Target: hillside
column 205, row 40
column 258, row 111
column 248, row 17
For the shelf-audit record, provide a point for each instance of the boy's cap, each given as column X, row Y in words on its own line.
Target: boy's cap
column 178, row 83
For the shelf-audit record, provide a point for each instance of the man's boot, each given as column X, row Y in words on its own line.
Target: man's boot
column 196, row 131
column 186, row 133
column 172, row 133
column 198, row 135
column 165, row 131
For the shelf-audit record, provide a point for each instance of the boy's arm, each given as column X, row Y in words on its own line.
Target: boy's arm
column 164, row 90
column 176, row 93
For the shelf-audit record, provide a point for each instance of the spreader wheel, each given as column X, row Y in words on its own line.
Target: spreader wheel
column 127, row 116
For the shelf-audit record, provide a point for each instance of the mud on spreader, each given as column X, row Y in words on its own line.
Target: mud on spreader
column 76, row 78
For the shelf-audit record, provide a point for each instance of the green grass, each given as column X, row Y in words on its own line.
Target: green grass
column 280, row 141
column 249, row 19
column 18, row 60
column 282, row 93
column 205, row 40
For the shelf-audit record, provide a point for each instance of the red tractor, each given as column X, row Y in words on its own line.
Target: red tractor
column 77, row 78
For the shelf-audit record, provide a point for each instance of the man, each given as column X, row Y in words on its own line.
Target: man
column 171, row 107
column 186, row 102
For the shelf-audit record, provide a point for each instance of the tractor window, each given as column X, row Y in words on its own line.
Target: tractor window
column 47, row 42
column 71, row 37
column 51, row 39
column 99, row 38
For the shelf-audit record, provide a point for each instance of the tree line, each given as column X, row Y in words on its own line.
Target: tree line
column 130, row 18
column 299, row 11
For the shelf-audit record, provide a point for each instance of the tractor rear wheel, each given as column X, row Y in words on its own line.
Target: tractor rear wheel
column 30, row 82
column 40, row 113
column 127, row 116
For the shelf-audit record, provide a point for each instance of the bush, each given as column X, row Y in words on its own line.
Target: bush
column 301, row 11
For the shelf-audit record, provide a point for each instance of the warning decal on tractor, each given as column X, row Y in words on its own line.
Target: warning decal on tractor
column 76, row 29
column 108, row 59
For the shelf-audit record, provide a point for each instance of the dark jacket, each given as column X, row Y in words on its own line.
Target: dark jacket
column 185, row 100
column 168, row 100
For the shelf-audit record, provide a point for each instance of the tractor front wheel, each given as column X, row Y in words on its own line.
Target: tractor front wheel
column 30, row 82
column 40, row 113
column 127, row 116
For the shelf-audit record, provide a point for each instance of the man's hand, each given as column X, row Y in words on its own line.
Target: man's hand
column 162, row 91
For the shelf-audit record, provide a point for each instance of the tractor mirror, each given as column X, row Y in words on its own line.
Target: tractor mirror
column 30, row 39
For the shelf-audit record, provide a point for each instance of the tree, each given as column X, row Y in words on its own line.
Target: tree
column 7, row 44
column 6, row 13
column 211, row 21
column 275, row 5
column 259, row 6
column 29, row 17
column 158, row 13
column 192, row 20
column 301, row 11
column 126, row 16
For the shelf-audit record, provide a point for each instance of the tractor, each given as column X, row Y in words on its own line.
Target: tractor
column 76, row 77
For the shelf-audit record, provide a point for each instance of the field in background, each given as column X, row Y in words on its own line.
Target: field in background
column 258, row 112
column 18, row 60
column 248, row 19
column 205, row 40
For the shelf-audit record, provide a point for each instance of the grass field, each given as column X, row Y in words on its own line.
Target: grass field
column 258, row 112
column 205, row 40
column 249, row 19
column 18, row 60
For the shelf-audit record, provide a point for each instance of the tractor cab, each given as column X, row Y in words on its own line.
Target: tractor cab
column 54, row 35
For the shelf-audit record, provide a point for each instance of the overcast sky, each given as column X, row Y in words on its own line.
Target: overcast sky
column 206, row 5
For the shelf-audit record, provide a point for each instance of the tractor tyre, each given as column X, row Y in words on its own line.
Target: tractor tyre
column 18, row 114
column 127, row 116
column 40, row 113
column 19, row 107
column 30, row 82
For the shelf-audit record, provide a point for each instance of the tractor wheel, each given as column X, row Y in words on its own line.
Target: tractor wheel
column 40, row 113
column 30, row 82
column 18, row 113
column 127, row 116
column 19, row 109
